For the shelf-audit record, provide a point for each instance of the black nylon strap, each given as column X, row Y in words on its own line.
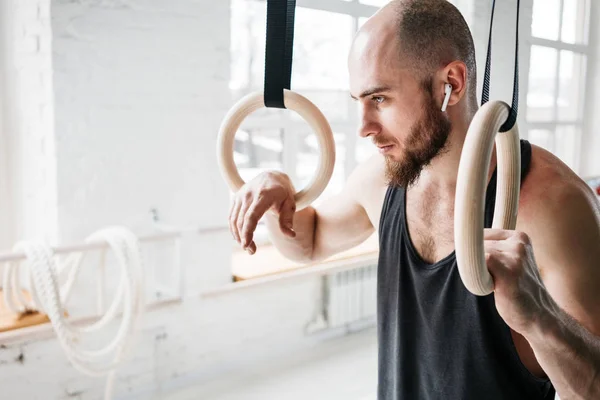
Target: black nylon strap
column 278, row 51
column 485, row 96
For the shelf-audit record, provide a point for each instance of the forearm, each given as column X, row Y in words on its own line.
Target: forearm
column 569, row 354
column 299, row 248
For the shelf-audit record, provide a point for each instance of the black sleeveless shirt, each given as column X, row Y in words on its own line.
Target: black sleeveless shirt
column 436, row 339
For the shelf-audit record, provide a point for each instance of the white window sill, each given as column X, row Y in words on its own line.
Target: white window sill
column 268, row 261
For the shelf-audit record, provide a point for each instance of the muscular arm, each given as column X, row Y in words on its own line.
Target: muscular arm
column 565, row 232
column 337, row 224
column 569, row 354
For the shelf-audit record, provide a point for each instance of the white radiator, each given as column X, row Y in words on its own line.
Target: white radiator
column 350, row 296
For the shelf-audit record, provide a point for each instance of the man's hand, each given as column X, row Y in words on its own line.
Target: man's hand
column 521, row 297
column 270, row 190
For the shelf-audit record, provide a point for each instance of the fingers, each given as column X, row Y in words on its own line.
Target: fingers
column 286, row 217
column 497, row 263
column 251, row 248
column 239, row 223
column 250, row 220
column 502, row 234
column 497, row 234
column 233, row 215
column 516, row 245
column 498, row 245
column 253, row 201
column 508, row 261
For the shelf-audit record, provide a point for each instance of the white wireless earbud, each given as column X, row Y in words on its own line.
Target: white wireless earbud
column 448, row 92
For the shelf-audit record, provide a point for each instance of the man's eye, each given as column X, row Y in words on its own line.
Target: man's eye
column 378, row 99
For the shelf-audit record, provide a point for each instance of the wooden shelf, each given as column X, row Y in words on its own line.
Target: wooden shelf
column 10, row 321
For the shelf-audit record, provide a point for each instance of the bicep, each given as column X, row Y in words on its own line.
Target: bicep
column 569, row 259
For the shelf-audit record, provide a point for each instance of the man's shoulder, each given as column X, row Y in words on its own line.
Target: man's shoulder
column 367, row 185
column 368, row 176
column 552, row 194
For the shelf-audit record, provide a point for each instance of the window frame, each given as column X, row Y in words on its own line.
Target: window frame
column 578, row 49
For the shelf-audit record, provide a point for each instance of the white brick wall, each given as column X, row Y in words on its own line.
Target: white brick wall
column 27, row 122
column 6, row 227
column 140, row 89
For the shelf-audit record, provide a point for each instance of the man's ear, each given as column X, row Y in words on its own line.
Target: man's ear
column 455, row 74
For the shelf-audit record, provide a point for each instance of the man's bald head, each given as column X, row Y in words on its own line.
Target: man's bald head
column 433, row 33
column 425, row 34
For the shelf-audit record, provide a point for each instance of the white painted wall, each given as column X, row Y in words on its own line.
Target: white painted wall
column 27, row 137
column 140, row 87
column 178, row 347
column 6, row 225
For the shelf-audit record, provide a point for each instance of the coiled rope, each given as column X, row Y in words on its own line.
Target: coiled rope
column 42, row 271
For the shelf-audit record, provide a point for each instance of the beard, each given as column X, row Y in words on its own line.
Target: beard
column 427, row 139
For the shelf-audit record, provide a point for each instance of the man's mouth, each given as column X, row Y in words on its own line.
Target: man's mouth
column 385, row 148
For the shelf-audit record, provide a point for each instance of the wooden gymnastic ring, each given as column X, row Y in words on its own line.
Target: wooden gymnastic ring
column 307, row 110
column 471, row 186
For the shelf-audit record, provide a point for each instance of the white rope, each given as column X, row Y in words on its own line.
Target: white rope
column 49, row 297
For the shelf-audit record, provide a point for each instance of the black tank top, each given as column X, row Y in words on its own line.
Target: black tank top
column 436, row 339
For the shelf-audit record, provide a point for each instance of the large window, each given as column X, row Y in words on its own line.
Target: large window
column 557, row 75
